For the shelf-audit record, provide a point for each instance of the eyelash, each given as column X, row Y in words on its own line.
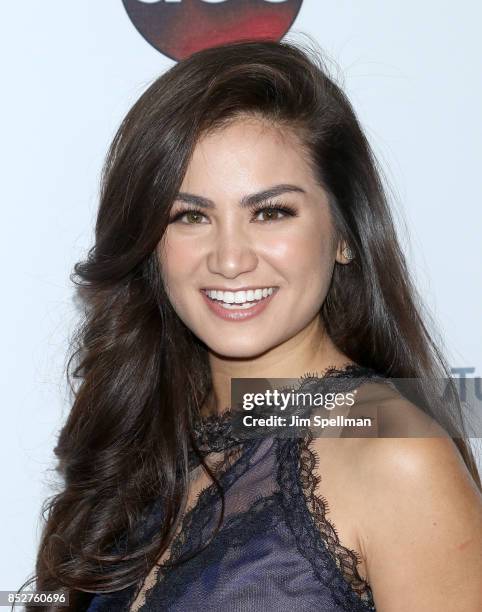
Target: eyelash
column 286, row 209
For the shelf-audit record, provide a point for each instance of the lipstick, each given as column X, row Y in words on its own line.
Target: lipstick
column 238, row 314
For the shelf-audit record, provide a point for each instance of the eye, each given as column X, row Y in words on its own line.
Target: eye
column 272, row 211
column 189, row 213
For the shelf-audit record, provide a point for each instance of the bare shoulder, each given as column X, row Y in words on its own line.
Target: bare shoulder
column 420, row 525
column 415, row 512
column 431, row 468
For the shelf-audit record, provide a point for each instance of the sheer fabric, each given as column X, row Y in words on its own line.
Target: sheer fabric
column 275, row 551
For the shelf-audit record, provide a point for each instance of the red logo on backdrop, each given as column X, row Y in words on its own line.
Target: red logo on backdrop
column 178, row 28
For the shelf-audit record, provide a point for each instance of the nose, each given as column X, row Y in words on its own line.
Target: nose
column 231, row 253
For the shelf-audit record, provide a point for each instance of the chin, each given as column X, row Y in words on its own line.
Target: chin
column 237, row 349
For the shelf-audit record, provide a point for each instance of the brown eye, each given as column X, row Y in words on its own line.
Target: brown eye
column 275, row 211
column 194, row 215
column 271, row 214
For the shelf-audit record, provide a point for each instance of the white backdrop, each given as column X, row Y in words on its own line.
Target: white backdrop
column 70, row 72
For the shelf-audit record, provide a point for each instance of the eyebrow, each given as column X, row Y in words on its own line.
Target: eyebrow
column 246, row 201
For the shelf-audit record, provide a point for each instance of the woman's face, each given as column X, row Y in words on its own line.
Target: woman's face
column 229, row 241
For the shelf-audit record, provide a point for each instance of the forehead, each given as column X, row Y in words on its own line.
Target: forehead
column 248, row 153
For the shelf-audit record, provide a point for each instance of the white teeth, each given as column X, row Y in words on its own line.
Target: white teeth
column 244, row 306
column 239, row 297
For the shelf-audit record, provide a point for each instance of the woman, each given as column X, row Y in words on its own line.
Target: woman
column 243, row 232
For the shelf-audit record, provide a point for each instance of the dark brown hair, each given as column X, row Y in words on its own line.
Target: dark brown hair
column 140, row 376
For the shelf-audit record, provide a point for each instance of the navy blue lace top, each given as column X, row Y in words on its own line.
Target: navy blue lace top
column 275, row 551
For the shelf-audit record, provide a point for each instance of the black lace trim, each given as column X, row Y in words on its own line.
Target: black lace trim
column 214, row 433
column 346, row 558
column 194, row 522
column 231, row 467
column 306, row 518
column 238, row 529
column 307, row 511
column 221, row 431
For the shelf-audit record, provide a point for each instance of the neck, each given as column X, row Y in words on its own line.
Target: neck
column 311, row 350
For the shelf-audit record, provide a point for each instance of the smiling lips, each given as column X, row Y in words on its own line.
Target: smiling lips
column 238, row 305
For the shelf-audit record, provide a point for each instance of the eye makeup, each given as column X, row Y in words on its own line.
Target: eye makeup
column 287, row 210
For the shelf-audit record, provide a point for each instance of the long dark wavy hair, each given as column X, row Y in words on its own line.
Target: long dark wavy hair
column 139, row 375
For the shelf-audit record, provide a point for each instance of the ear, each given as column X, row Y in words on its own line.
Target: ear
column 343, row 253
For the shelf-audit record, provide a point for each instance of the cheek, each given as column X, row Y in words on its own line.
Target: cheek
column 305, row 252
column 177, row 259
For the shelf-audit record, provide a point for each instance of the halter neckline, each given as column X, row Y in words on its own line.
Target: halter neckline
column 214, row 432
